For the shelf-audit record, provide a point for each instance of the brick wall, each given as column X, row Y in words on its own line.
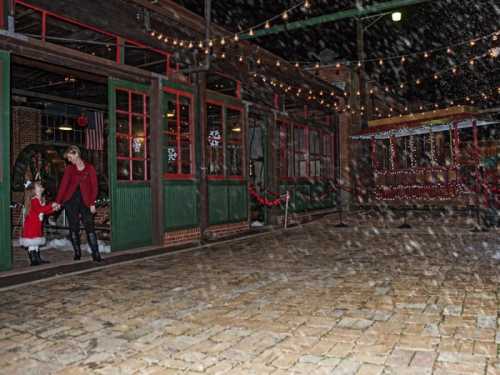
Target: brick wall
column 26, row 130
column 226, row 230
column 182, row 236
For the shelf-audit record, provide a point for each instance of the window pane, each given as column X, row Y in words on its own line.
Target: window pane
column 122, row 124
column 186, row 156
column 138, row 172
column 215, row 140
column 282, row 149
column 138, row 147
column 137, row 126
column 234, row 142
column 170, row 156
column 137, row 103
column 123, row 169
column 185, row 116
column 122, row 146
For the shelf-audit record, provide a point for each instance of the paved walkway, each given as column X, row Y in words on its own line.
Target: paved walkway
column 312, row 300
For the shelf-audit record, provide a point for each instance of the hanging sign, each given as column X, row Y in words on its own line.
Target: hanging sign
column 171, row 154
column 137, row 145
column 214, row 138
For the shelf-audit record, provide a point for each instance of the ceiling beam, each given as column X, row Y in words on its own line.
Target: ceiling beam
column 58, row 99
column 385, row 6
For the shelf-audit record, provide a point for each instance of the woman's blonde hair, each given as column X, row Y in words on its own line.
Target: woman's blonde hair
column 29, row 194
column 72, row 150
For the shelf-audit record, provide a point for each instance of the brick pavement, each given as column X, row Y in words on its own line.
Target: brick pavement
column 364, row 300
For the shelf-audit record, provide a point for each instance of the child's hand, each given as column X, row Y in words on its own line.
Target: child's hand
column 56, row 206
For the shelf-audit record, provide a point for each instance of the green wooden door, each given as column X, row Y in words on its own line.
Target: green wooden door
column 5, row 227
column 129, row 165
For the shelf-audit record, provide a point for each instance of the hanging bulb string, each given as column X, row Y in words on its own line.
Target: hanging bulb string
column 432, row 76
column 449, row 102
column 227, row 36
column 405, row 56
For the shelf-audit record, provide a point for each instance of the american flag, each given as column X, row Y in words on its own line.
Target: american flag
column 94, row 132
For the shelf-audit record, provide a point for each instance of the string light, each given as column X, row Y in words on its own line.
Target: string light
column 285, row 15
column 268, row 25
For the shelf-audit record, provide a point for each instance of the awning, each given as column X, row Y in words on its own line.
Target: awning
column 424, row 129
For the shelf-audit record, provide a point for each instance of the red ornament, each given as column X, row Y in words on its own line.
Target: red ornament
column 82, row 121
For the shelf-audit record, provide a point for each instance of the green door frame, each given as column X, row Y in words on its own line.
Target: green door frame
column 128, row 229
column 5, row 224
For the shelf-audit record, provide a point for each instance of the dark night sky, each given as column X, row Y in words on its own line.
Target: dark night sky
column 425, row 26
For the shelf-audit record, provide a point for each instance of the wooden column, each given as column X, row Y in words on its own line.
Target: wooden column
column 201, row 148
column 5, row 9
column 157, row 198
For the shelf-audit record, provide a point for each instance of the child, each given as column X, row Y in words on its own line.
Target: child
column 35, row 208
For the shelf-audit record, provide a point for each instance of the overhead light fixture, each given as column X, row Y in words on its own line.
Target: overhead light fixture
column 65, row 128
column 396, row 16
column 170, row 114
column 236, row 130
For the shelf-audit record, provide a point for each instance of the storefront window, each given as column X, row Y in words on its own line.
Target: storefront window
column 315, row 154
column 177, row 146
column 234, row 146
column 282, row 149
column 132, row 135
column 215, row 140
column 328, row 162
column 300, row 141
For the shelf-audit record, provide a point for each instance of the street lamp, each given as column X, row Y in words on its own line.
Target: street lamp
column 396, row 16
column 361, row 29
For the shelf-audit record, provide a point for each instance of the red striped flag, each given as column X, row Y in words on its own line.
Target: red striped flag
column 94, row 132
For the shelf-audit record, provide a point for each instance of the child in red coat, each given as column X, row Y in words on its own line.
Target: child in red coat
column 35, row 208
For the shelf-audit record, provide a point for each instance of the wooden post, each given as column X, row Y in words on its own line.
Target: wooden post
column 4, row 13
column 157, row 199
column 201, row 147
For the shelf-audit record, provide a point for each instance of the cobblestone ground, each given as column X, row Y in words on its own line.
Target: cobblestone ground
column 312, row 300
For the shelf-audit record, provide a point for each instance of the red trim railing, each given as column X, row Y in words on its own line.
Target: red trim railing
column 119, row 40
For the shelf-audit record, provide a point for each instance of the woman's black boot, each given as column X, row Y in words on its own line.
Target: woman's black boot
column 94, row 246
column 75, row 241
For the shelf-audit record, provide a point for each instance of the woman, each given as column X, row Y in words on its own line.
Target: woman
column 77, row 193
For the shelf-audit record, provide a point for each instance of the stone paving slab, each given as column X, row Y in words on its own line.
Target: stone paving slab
column 312, row 300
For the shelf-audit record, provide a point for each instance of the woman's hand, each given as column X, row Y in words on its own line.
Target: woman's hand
column 92, row 209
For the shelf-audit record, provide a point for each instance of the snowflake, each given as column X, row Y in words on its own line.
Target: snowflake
column 172, row 154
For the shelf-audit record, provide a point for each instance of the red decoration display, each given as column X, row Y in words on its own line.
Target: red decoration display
column 82, row 121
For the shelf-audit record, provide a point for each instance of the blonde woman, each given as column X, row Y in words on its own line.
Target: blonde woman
column 77, row 194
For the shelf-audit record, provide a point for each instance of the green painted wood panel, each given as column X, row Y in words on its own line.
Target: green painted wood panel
column 302, row 198
column 218, row 204
column 181, row 205
column 133, row 227
column 131, row 211
column 238, row 202
column 227, row 201
column 5, row 225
